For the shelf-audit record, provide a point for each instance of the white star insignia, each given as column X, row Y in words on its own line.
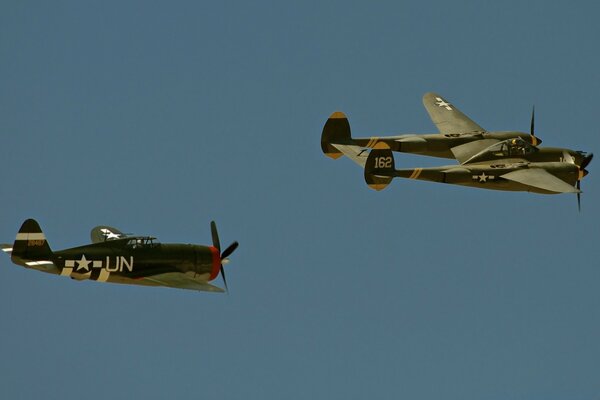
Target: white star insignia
column 441, row 103
column 83, row 263
column 483, row 177
column 109, row 235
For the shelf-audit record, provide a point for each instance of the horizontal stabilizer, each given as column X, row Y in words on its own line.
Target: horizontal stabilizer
column 541, row 179
column 355, row 153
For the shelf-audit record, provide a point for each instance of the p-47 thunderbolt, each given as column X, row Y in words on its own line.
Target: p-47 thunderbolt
column 459, row 137
column 118, row 258
column 506, row 166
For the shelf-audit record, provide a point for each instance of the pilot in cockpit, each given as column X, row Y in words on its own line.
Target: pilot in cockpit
column 518, row 146
column 515, row 147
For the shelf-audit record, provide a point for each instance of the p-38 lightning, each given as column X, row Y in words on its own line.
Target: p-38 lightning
column 511, row 165
column 118, row 258
column 459, row 136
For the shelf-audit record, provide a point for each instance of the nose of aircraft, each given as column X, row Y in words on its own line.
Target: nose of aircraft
column 586, row 160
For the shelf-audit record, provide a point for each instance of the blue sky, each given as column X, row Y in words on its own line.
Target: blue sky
column 158, row 117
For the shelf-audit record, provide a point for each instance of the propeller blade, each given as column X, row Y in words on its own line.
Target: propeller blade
column 224, row 279
column 579, row 196
column 215, row 235
column 534, row 139
column 532, row 128
column 229, row 250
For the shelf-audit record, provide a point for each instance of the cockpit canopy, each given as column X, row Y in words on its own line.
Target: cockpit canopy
column 511, row 148
column 141, row 242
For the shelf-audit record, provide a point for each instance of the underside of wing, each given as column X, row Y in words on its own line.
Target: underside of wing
column 448, row 119
column 182, row 281
column 465, row 151
column 541, row 179
column 355, row 153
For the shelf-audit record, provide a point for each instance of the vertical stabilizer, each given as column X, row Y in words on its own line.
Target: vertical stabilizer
column 335, row 131
column 379, row 168
column 30, row 243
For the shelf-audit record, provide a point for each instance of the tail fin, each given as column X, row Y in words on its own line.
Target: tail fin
column 379, row 168
column 30, row 243
column 336, row 130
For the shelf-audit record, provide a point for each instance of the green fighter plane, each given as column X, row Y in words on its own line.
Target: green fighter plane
column 118, row 258
column 511, row 165
column 459, row 136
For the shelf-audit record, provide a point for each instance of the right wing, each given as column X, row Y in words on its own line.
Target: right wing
column 541, row 179
column 355, row 153
column 448, row 119
column 182, row 281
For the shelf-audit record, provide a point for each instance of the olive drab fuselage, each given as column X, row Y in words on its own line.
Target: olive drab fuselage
column 118, row 258
column 133, row 258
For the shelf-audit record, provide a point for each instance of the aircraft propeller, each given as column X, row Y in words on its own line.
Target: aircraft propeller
column 582, row 172
column 226, row 253
column 534, row 139
column 567, row 157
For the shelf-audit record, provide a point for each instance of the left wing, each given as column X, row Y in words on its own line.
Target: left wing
column 182, row 281
column 541, row 179
column 448, row 119
column 355, row 153
column 103, row 233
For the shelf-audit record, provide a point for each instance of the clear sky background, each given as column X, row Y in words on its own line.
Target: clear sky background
column 157, row 117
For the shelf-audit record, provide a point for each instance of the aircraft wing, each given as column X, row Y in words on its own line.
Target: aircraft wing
column 182, row 281
column 448, row 119
column 7, row 248
column 355, row 153
column 103, row 233
column 464, row 152
column 541, row 179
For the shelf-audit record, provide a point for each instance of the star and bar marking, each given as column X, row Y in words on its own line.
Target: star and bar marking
column 119, row 264
column 483, row 178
